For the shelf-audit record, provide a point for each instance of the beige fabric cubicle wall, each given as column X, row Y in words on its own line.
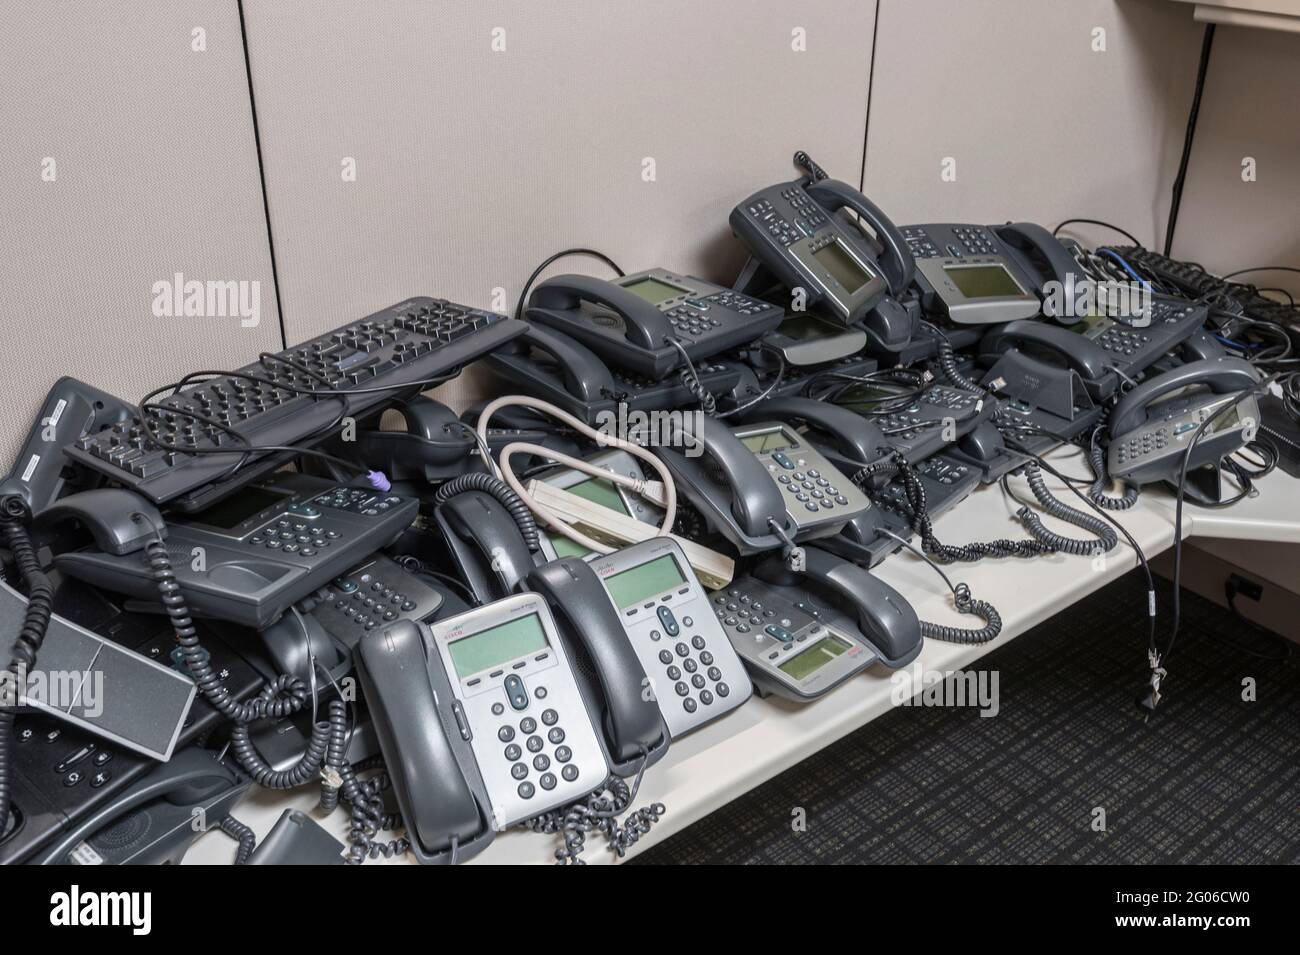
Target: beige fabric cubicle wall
column 126, row 157
column 486, row 136
column 445, row 148
column 1034, row 109
column 1241, row 206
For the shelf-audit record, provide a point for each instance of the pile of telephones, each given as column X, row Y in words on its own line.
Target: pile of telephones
column 307, row 572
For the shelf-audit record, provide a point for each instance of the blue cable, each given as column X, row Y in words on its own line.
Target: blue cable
column 1127, row 268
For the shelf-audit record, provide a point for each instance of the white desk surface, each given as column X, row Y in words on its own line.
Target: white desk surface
column 705, row 770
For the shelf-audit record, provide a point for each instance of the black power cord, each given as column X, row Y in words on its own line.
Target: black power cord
column 1207, row 44
column 551, row 259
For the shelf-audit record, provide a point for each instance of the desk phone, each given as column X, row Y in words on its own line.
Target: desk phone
column 805, row 339
column 790, row 647
column 980, row 275
column 1132, row 349
column 628, row 322
column 262, row 550
column 694, row 672
column 818, row 497
column 371, row 595
column 917, row 427
column 516, row 702
column 1152, row 424
column 797, row 231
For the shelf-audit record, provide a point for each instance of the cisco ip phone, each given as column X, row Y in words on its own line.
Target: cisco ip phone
column 1027, row 352
column 798, row 231
column 246, row 559
column 632, row 322
column 918, row 425
column 978, row 275
column 72, row 409
column 1150, row 427
column 732, row 477
column 550, row 365
column 481, row 722
column 649, row 592
column 1131, row 349
column 804, row 632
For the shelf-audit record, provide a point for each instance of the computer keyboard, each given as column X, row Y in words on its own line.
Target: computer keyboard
column 345, row 373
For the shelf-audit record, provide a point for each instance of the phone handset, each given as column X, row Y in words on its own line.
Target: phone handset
column 633, row 728
column 1043, row 256
column 884, row 616
column 643, row 324
column 426, row 758
column 580, row 373
column 485, row 542
column 121, row 522
column 1219, row 375
column 1077, row 352
column 896, row 262
column 729, row 486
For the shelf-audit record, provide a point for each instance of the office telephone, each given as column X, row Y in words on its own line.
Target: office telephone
column 153, row 821
column 61, row 773
column 663, row 614
column 732, row 477
column 481, row 721
column 246, row 559
column 798, row 231
column 371, row 595
column 552, row 366
column 632, row 322
column 274, row 401
column 1130, row 349
column 918, row 425
column 71, row 410
column 1047, row 366
column 1150, row 427
column 978, row 275
column 802, row 633
column 807, row 339
column 485, row 543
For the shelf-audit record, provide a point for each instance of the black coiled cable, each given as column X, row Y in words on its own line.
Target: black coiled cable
column 599, row 812
column 36, row 620
column 1097, row 458
column 364, row 797
column 246, row 837
column 947, row 362
column 1106, row 536
column 921, row 523
column 478, row 481
column 965, row 603
column 283, row 696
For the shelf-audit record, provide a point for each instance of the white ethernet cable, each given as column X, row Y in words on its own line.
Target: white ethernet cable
column 648, row 489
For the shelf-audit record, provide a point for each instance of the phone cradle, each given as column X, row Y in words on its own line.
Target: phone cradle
column 1057, row 390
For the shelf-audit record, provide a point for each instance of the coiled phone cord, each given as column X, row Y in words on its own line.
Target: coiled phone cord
column 514, row 505
column 1106, row 536
column 36, row 619
column 921, row 523
column 599, row 812
column 364, row 797
column 690, row 379
column 1097, row 458
column 947, row 362
column 283, row 696
column 246, row 837
column 963, row 602
column 815, row 172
